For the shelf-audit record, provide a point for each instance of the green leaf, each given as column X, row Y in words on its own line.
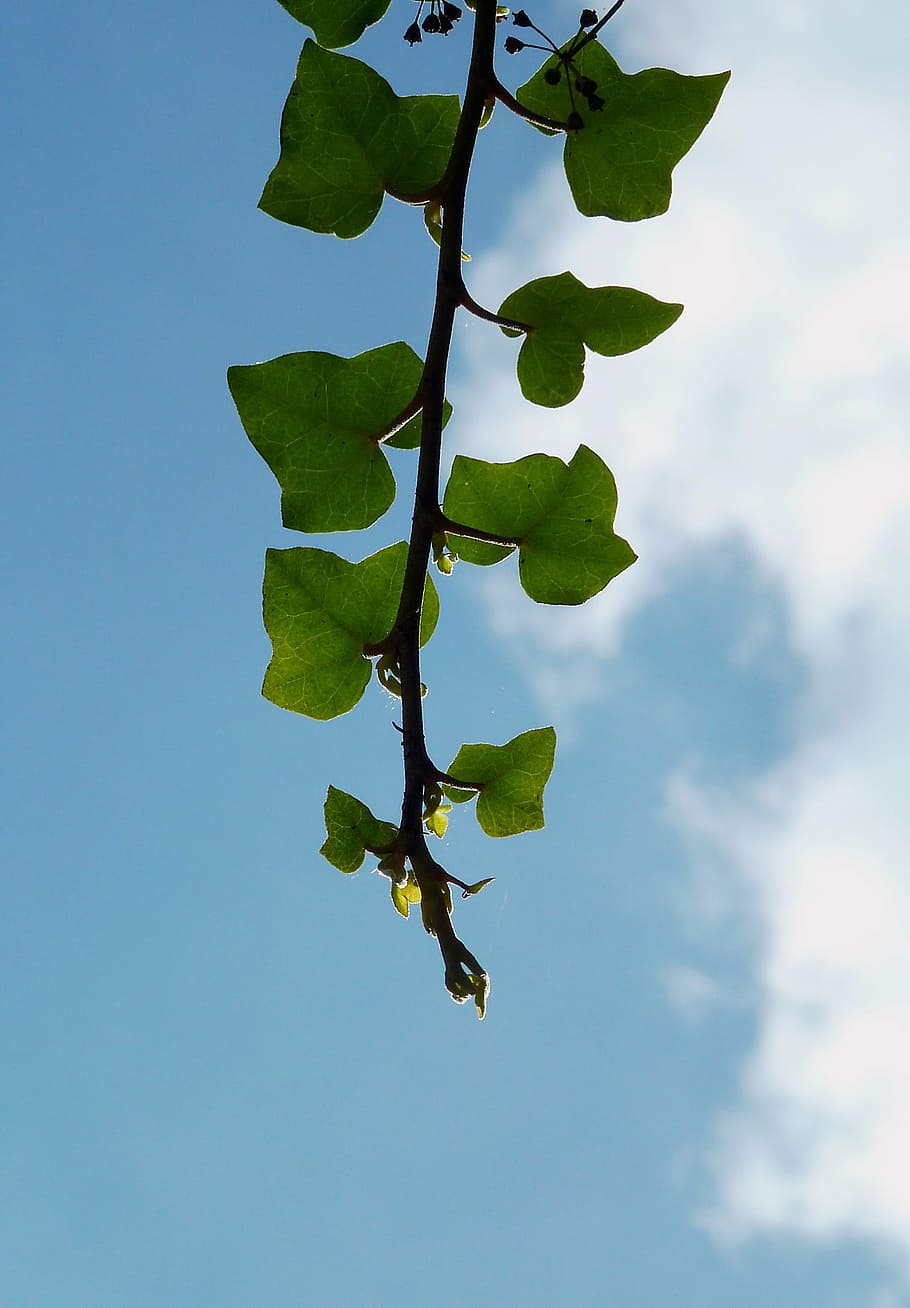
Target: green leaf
column 561, row 515
column 320, row 611
column 347, row 139
column 316, row 419
column 513, row 777
column 565, row 316
column 352, row 830
column 404, row 896
column 620, row 162
column 336, row 22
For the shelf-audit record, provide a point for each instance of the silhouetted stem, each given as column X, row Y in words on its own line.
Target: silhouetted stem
column 449, row 295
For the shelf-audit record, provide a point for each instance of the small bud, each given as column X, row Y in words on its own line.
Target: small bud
column 431, row 24
column 574, row 122
column 513, row 45
column 551, row 77
column 521, row 19
column 412, row 35
column 588, row 18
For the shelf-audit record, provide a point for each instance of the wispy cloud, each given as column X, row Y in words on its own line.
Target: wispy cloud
column 775, row 415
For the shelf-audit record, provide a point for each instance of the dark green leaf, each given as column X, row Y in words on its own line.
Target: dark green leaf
column 347, row 139
column 351, row 831
column 566, row 316
column 619, row 163
column 320, row 611
column 513, row 778
column 316, row 419
column 561, row 515
column 336, row 22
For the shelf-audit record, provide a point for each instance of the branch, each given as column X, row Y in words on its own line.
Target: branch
column 405, row 637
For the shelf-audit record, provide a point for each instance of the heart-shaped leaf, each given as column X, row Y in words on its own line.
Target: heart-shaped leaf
column 320, row 611
column 565, row 316
column 352, row 830
column 512, row 777
column 560, row 515
column 619, row 162
column 347, row 139
column 336, row 22
column 317, row 420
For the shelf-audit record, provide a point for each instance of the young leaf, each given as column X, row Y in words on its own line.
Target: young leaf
column 336, row 22
column 403, row 896
column 513, row 778
column 351, row 830
column 319, row 611
column 316, row 419
column 566, row 316
column 619, row 163
column 561, row 515
column 347, row 139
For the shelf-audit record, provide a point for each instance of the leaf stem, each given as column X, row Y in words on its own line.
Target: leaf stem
column 505, row 96
column 592, row 33
column 474, row 533
column 468, row 302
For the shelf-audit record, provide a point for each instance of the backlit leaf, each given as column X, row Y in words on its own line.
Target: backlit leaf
column 347, row 139
column 561, row 515
column 566, row 316
column 320, row 611
column 316, row 419
column 619, row 163
column 336, row 22
column 513, row 778
column 352, row 830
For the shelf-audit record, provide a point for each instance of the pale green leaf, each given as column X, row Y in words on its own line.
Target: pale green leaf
column 317, row 419
column 320, row 611
column 351, row 831
column 513, row 777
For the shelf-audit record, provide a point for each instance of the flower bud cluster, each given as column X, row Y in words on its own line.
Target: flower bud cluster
column 439, row 21
column 575, row 80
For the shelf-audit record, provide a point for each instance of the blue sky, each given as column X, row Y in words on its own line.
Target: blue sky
column 233, row 1076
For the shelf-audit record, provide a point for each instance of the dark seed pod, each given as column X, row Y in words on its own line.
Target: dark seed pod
column 521, row 19
column 412, row 35
column 588, row 18
column 513, row 45
column 452, row 12
column 431, row 23
column 551, row 77
column 595, row 102
column 574, row 122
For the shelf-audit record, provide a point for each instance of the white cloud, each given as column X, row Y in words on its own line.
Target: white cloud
column 774, row 415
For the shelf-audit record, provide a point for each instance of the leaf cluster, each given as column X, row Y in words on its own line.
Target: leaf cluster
column 321, row 422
